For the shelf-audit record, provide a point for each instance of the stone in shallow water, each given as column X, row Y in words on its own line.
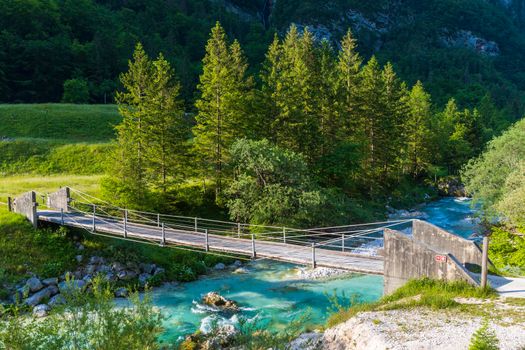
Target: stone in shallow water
column 217, row 300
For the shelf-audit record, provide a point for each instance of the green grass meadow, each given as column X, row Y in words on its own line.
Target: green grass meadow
column 73, row 123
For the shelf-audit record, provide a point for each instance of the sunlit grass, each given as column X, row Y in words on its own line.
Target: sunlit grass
column 18, row 184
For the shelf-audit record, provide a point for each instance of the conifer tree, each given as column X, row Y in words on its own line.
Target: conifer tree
column 370, row 118
column 165, row 127
column 348, row 80
column 220, row 106
column 417, row 130
column 296, row 123
column 129, row 168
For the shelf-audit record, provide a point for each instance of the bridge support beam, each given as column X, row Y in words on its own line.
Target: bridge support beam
column 407, row 258
column 59, row 199
column 26, row 205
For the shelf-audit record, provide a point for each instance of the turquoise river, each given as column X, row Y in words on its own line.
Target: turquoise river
column 273, row 295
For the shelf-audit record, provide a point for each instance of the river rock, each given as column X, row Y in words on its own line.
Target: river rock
column 34, row 284
column 41, row 310
column 158, row 271
column 144, row 278
column 241, row 270
column 307, row 341
column 236, row 264
column 39, row 296
column 220, row 302
column 147, row 268
column 79, row 258
column 91, row 269
column 96, row 260
column 111, row 277
column 220, row 266
column 121, row 292
column 50, row 281
column 104, row 269
column 116, row 266
column 73, row 285
column 57, row 300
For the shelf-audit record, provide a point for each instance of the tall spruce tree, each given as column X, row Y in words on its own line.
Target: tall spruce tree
column 221, row 105
column 165, row 128
column 297, row 123
column 129, row 168
column 417, row 130
column 348, row 80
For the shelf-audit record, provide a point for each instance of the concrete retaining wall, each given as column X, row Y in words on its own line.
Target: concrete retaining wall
column 26, row 205
column 406, row 258
column 467, row 252
column 59, row 200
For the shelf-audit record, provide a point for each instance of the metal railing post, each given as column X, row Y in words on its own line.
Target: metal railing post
column 238, row 230
column 9, row 204
column 314, row 263
column 94, row 216
column 207, row 240
column 125, row 223
column 158, row 220
column 62, row 216
column 284, row 234
column 196, row 219
column 343, row 243
column 254, row 254
column 163, row 243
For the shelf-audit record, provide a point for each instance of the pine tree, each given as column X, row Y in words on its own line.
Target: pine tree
column 370, row 119
column 330, row 121
column 221, row 105
column 348, row 80
column 271, row 89
column 297, row 123
column 165, row 127
column 391, row 137
column 129, row 168
column 417, row 130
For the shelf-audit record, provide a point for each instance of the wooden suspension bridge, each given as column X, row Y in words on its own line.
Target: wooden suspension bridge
column 381, row 248
column 356, row 248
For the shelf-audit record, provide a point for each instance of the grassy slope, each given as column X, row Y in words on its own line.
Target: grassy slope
column 425, row 292
column 74, row 123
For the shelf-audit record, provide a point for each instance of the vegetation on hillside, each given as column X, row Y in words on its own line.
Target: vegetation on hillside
column 346, row 131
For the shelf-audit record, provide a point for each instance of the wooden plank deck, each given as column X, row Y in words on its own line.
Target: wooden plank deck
column 264, row 249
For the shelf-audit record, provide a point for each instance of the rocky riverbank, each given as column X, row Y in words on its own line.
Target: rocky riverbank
column 420, row 328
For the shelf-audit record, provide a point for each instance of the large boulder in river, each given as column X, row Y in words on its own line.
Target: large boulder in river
column 216, row 300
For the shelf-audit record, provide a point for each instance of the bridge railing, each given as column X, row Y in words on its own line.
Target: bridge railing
column 357, row 238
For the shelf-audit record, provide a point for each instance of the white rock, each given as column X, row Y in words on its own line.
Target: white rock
column 41, row 310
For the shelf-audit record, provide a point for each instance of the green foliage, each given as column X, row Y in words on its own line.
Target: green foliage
column 76, row 91
column 74, row 123
column 23, row 249
column 507, row 251
column 495, row 179
column 484, row 338
column 135, row 327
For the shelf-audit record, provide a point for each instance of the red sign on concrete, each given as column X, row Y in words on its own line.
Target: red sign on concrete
column 441, row 258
